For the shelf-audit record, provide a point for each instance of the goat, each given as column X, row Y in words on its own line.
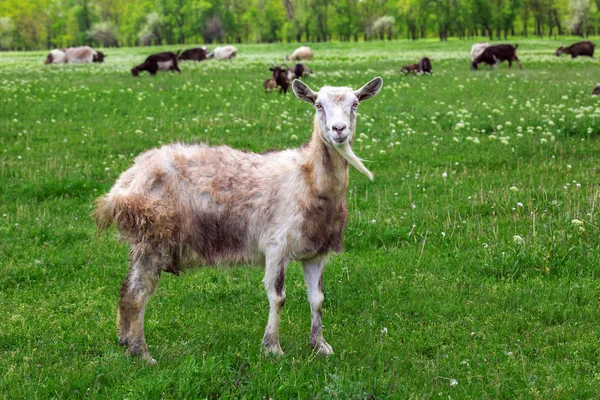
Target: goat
column 585, row 48
column 270, row 85
column 281, row 78
column 74, row 55
column 477, row 49
column 493, row 55
column 56, row 56
column 596, row 91
column 223, row 53
column 300, row 71
column 423, row 67
column 301, row 53
column 409, row 69
column 217, row 205
column 83, row 54
column 196, row 54
column 166, row 61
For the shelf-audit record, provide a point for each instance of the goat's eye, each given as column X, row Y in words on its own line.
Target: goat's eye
column 355, row 104
column 319, row 106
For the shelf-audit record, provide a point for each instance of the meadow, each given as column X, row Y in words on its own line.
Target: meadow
column 470, row 265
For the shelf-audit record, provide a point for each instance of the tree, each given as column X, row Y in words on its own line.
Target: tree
column 105, row 33
column 7, row 30
column 578, row 9
column 151, row 31
column 384, row 26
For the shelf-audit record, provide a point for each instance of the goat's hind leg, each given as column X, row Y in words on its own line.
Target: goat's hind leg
column 313, row 276
column 136, row 289
column 518, row 62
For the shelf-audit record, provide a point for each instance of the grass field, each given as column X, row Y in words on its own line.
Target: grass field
column 471, row 263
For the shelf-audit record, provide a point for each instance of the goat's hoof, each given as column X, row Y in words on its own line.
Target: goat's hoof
column 274, row 350
column 323, row 348
column 122, row 341
column 149, row 360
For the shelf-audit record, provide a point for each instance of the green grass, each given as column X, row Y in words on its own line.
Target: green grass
column 463, row 260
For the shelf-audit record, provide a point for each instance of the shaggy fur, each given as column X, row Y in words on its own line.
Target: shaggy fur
column 185, row 205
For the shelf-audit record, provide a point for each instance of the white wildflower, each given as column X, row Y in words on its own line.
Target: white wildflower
column 518, row 239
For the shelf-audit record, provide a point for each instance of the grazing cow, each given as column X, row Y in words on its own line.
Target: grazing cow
column 191, row 205
column 166, row 61
column 196, row 54
column 493, row 55
column 585, row 48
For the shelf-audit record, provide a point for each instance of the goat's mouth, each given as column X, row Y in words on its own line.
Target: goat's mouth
column 340, row 139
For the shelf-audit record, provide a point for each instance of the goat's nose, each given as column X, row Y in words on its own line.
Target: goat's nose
column 338, row 127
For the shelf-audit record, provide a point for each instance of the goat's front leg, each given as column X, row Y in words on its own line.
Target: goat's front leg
column 313, row 276
column 274, row 284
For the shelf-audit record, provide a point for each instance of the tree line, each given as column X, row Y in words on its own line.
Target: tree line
column 45, row 24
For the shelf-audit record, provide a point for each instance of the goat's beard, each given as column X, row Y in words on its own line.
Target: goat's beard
column 345, row 151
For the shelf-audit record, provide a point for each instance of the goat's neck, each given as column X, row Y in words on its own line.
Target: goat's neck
column 328, row 169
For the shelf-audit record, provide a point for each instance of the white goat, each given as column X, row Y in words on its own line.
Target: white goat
column 74, row 55
column 57, row 56
column 223, row 53
column 477, row 49
column 301, row 53
column 216, row 205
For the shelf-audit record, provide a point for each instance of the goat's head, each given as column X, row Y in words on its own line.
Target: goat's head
column 135, row 71
column 276, row 70
column 560, row 50
column 336, row 114
column 99, row 57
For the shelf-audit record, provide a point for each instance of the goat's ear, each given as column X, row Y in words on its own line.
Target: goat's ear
column 370, row 89
column 303, row 92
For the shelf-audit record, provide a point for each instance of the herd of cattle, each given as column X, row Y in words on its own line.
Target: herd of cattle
column 284, row 75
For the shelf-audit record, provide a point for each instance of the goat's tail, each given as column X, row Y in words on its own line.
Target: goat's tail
column 104, row 214
column 142, row 217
